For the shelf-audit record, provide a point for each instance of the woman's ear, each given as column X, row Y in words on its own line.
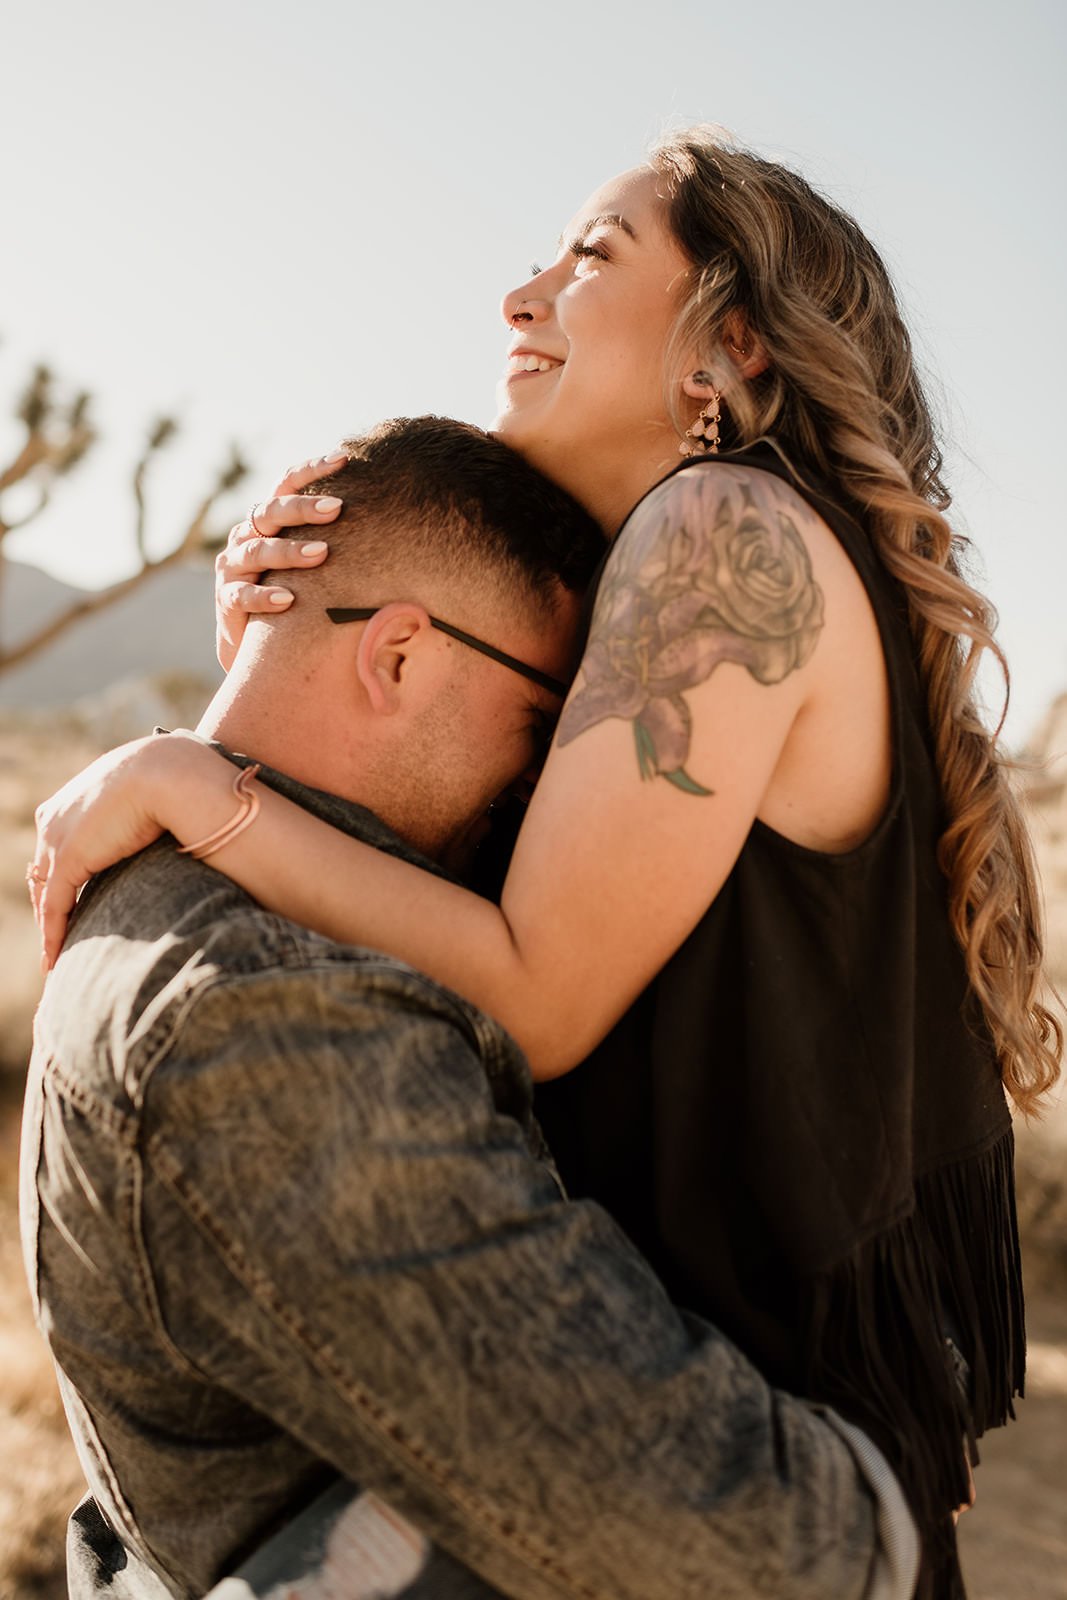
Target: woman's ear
column 388, row 649
column 743, row 349
column 699, row 385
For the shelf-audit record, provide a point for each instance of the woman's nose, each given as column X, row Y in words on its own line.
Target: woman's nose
column 525, row 305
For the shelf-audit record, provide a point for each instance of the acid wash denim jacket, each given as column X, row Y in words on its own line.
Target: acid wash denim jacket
column 287, row 1221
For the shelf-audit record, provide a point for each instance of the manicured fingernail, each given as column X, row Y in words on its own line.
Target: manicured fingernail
column 337, row 455
column 279, row 597
column 328, row 502
column 315, row 548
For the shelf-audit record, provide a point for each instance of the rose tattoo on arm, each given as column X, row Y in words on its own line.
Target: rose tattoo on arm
column 711, row 569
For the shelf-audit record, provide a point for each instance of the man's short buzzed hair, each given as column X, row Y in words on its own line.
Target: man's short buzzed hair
column 428, row 497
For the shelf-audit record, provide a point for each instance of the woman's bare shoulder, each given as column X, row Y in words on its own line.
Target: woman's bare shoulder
column 721, row 564
column 727, row 552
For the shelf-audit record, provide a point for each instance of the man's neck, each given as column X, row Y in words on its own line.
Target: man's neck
column 303, row 713
column 296, row 728
column 349, row 816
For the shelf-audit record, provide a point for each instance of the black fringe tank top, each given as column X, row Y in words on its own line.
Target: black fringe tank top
column 801, row 1121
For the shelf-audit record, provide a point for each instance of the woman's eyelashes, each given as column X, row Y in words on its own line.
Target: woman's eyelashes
column 580, row 249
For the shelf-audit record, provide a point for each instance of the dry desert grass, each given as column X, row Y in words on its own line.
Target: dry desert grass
column 40, row 1480
column 35, row 759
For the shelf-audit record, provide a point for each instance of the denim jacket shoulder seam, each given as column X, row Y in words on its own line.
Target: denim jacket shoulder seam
column 146, row 1277
column 489, row 1039
column 121, row 1123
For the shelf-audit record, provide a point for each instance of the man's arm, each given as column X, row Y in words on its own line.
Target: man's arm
column 379, row 1264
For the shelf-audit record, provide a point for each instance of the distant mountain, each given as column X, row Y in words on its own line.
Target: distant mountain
column 164, row 626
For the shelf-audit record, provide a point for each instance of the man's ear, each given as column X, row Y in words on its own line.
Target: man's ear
column 390, row 642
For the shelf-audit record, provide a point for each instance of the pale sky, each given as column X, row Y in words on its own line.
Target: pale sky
column 284, row 221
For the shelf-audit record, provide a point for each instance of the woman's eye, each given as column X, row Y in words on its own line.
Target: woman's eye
column 581, row 251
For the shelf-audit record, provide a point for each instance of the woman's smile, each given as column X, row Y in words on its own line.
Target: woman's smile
column 525, row 362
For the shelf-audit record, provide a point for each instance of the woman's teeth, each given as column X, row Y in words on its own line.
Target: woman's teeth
column 531, row 364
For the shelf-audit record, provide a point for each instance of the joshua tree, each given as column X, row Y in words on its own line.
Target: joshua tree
column 57, row 434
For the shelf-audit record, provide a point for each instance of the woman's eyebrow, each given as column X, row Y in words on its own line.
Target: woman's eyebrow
column 611, row 219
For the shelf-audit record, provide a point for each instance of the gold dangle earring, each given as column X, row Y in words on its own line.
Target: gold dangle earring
column 702, row 438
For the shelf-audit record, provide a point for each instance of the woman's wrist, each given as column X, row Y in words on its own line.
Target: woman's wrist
column 187, row 786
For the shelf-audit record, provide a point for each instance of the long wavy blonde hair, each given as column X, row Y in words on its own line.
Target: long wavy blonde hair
column 775, row 259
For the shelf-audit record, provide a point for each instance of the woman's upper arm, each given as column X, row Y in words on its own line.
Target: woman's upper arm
column 696, row 669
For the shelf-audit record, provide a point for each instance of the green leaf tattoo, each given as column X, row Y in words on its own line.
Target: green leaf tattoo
column 681, row 780
column 711, row 568
column 646, row 751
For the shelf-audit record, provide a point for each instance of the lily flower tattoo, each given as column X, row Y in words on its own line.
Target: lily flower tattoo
column 713, row 569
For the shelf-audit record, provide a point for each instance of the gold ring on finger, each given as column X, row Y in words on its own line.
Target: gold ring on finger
column 34, row 874
column 252, row 520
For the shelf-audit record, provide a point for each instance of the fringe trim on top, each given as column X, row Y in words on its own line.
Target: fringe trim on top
column 877, row 1342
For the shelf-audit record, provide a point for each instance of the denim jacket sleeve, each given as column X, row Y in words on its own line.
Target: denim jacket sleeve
column 348, row 1232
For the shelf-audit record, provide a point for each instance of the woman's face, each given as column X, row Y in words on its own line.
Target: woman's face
column 584, row 394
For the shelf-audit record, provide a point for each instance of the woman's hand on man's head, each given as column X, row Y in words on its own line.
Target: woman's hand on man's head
column 252, row 549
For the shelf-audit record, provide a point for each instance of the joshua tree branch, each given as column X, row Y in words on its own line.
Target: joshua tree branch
column 58, row 433
column 196, row 537
column 85, row 606
column 43, row 497
column 160, row 435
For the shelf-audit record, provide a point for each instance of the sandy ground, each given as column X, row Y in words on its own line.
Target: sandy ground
column 1014, row 1541
column 40, row 1479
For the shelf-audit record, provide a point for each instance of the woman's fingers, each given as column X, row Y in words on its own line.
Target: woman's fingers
column 53, row 911
column 36, row 878
column 247, row 555
column 245, row 558
column 296, row 479
column 268, row 517
column 100, row 816
column 254, row 548
column 234, row 604
column 53, row 892
column 242, row 599
column 237, row 595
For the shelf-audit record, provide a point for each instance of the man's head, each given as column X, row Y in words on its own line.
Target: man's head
column 440, row 523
